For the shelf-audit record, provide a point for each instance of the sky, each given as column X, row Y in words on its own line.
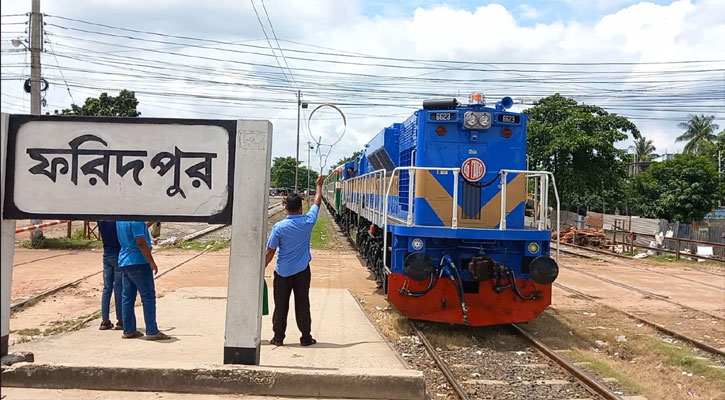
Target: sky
column 655, row 62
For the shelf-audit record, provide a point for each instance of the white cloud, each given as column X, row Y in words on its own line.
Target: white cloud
column 527, row 11
column 683, row 30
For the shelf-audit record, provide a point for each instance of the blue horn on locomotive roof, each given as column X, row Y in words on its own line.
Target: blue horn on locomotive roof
column 505, row 103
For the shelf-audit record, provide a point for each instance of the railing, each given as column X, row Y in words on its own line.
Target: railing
column 541, row 191
column 542, row 188
column 370, row 187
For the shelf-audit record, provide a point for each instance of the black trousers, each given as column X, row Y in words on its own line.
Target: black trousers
column 283, row 287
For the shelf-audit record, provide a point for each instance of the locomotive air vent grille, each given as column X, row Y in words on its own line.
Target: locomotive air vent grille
column 471, row 201
column 380, row 159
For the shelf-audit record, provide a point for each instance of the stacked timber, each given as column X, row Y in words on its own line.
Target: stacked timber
column 584, row 237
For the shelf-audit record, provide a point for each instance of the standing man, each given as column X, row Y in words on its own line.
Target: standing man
column 292, row 237
column 137, row 263
column 112, row 276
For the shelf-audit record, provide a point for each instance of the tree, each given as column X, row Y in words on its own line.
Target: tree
column 683, row 189
column 576, row 143
column 699, row 134
column 346, row 159
column 644, row 150
column 283, row 173
column 123, row 105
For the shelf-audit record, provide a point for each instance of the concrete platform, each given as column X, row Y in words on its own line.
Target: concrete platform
column 350, row 360
column 75, row 394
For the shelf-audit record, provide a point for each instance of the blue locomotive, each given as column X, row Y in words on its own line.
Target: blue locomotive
column 436, row 206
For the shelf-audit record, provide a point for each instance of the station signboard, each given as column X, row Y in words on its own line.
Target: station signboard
column 61, row 167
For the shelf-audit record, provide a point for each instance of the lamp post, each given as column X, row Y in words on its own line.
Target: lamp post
column 300, row 104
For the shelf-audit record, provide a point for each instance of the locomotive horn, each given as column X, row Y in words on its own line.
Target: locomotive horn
column 440, row 104
column 505, row 103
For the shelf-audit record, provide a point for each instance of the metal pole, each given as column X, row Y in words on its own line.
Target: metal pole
column 308, row 171
column 297, row 157
column 36, row 42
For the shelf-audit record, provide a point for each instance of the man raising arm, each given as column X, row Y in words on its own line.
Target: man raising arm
column 292, row 273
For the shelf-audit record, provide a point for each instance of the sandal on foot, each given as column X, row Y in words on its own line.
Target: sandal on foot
column 106, row 325
column 119, row 326
column 158, row 336
column 132, row 335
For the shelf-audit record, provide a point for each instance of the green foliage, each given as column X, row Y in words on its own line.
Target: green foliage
column 123, row 105
column 283, row 174
column 699, row 134
column 62, row 243
column 683, row 189
column 644, row 150
column 576, row 143
column 346, row 159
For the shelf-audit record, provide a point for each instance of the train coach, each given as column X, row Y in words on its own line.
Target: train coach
column 436, row 207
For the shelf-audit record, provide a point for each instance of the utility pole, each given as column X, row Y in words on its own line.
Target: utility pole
column 36, row 44
column 297, row 149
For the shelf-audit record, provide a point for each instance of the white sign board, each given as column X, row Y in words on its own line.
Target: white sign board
column 130, row 168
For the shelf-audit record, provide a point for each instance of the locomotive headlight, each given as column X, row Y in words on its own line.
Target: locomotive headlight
column 533, row 247
column 469, row 120
column 417, row 244
column 485, row 120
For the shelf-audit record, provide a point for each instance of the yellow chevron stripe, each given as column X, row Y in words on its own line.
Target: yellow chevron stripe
column 428, row 188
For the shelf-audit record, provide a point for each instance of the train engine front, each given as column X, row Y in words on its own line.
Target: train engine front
column 437, row 205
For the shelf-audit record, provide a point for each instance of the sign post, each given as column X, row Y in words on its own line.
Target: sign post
column 7, row 248
column 89, row 168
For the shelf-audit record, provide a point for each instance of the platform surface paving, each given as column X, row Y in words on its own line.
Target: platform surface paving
column 348, row 346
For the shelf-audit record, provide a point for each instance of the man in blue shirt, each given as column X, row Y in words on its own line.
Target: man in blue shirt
column 112, row 276
column 136, row 263
column 292, row 237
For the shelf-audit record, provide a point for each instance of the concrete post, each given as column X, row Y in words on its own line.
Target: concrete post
column 7, row 247
column 242, row 333
column 36, row 45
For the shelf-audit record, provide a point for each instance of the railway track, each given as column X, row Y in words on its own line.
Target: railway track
column 271, row 210
column 582, row 255
column 528, row 389
column 694, row 342
column 644, row 292
column 45, row 258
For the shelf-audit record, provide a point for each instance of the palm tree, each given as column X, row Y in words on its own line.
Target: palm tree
column 644, row 150
column 699, row 133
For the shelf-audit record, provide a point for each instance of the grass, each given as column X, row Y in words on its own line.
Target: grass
column 603, row 368
column 72, row 243
column 671, row 258
column 644, row 363
column 198, row 245
column 322, row 232
column 683, row 357
column 62, row 326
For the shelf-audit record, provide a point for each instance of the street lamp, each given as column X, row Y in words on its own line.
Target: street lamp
column 17, row 43
column 309, row 147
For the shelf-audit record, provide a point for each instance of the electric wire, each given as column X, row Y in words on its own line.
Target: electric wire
column 50, row 43
column 268, row 42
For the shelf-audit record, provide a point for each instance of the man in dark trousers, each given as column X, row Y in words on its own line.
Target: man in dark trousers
column 292, row 237
column 112, row 276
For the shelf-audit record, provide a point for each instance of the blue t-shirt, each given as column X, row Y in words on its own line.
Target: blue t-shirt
column 128, row 231
column 292, row 237
column 111, row 246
